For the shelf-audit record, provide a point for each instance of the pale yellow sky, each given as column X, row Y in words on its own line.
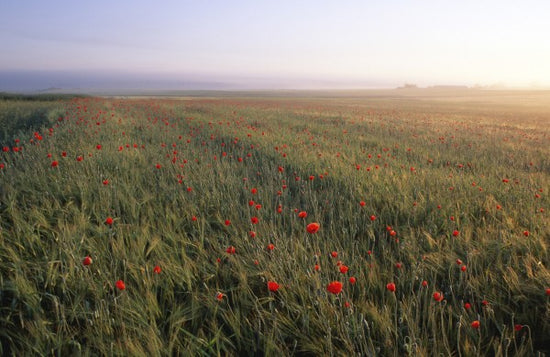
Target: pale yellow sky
column 269, row 43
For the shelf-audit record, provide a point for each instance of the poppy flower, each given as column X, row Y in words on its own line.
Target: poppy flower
column 272, row 286
column 254, row 220
column 467, row 306
column 362, row 203
column 109, row 221
column 87, row 261
column 456, row 233
column 373, row 218
column 334, row 254
column 54, row 163
column 518, row 327
column 302, row 214
column 475, row 324
column 230, row 250
column 312, row 228
column 227, row 222
column 463, row 268
column 526, row 233
column 547, row 291
column 157, row 269
column 438, row 296
column 390, row 287
column 424, row 283
column 344, row 269
column 334, row 287
column 352, row 280
column 120, row 285
column 270, row 246
column 219, row 296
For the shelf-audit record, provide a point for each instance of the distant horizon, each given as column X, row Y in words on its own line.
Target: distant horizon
column 33, row 81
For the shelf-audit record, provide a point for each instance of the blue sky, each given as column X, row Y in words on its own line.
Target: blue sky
column 281, row 43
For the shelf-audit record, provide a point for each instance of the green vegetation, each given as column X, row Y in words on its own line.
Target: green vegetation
column 194, row 205
column 20, row 112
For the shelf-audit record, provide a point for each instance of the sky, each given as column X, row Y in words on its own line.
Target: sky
column 280, row 44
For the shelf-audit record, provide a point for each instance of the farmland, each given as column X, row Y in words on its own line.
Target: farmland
column 309, row 223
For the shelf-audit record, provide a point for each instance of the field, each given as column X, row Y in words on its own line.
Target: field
column 412, row 222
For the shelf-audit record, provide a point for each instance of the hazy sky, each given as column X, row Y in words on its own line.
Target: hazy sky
column 347, row 43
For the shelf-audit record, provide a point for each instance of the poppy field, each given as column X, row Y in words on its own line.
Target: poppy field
column 339, row 225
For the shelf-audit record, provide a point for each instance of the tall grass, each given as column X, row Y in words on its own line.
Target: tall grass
column 177, row 176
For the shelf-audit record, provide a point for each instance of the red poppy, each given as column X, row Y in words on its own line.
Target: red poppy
column 254, row 220
column 87, row 260
column 219, row 296
column 467, row 306
column 547, row 291
column 54, row 163
column 272, row 286
column 352, row 280
column 302, row 214
column 120, row 285
column 335, row 287
column 317, row 267
column 438, row 296
column 157, row 269
column 344, row 269
column 270, row 246
column 424, row 283
column 227, row 222
column 390, row 287
column 456, row 233
column 109, row 221
column 230, row 250
column 475, row 324
column 362, row 203
column 312, row 228
column 518, row 327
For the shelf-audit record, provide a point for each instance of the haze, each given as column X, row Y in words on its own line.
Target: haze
column 272, row 44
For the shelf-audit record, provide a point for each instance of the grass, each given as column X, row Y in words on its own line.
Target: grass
column 446, row 182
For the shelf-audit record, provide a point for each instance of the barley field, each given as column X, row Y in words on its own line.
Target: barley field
column 389, row 223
